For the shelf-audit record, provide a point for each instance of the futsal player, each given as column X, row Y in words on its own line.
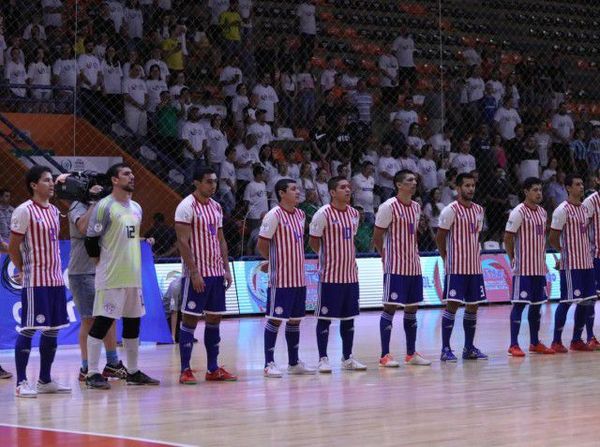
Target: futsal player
column 525, row 242
column 457, row 240
column 395, row 238
column 281, row 242
column 592, row 203
column 332, row 232
column 113, row 235
column 206, row 274
column 34, row 250
column 569, row 236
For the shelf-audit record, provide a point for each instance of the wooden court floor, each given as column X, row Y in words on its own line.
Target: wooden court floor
column 536, row 401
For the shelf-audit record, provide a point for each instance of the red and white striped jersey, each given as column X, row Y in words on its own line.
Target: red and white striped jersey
column 529, row 227
column 572, row 222
column 401, row 252
column 285, row 232
column 40, row 249
column 337, row 257
column 205, row 220
column 462, row 242
column 592, row 203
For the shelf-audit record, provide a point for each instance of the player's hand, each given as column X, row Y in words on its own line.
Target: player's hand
column 96, row 189
column 197, row 282
column 150, row 240
column 18, row 278
column 228, row 279
column 264, row 267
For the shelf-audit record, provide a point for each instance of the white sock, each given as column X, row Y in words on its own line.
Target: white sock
column 94, row 348
column 132, row 348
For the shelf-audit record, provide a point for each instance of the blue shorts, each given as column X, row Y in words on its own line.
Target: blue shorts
column 597, row 274
column 577, row 285
column 402, row 290
column 44, row 308
column 466, row 289
column 211, row 301
column 529, row 289
column 337, row 301
column 285, row 303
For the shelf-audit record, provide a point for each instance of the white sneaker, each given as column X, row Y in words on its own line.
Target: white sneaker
column 416, row 359
column 52, row 387
column 300, row 368
column 272, row 370
column 351, row 364
column 25, row 390
column 324, row 366
column 387, row 361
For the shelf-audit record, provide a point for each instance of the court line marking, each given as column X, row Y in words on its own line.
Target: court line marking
column 77, row 432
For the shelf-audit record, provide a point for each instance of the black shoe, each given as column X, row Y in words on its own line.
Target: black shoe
column 139, row 378
column 97, row 382
column 4, row 374
column 117, row 371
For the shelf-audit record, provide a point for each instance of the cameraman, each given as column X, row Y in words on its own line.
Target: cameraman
column 81, row 282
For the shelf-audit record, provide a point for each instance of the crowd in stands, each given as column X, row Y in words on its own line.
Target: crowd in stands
column 201, row 83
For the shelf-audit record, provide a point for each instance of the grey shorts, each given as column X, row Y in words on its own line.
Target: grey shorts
column 83, row 290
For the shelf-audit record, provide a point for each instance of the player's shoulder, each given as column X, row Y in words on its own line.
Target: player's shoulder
column 215, row 204
column 389, row 203
column 136, row 205
column 353, row 211
column 24, row 207
column 562, row 206
column 323, row 210
column 273, row 213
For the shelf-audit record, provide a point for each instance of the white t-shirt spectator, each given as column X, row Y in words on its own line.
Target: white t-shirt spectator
column 2, row 49
column 294, row 171
column 194, row 133
column 323, row 192
column 116, row 13
column 563, row 125
column 136, row 88
column 328, row 79
column 15, row 74
column 112, row 78
column 27, row 31
column 267, row 100
column 349, row 82
column 89, row 65
column 434, row 221
column 39, row 73
column 407, row 163
column 543, row 141
column 66, row 70
column 440, row 143
column 227, row 173
column 428, row 172
column 155, row 88
column 256, row 196
column 389, row 64
column 463, row 163
column 304, row 184
column 238, row 104
column 263, row 133
column 216, row 145
column 308, row 23
column 243, row 156
column 127, row 70
column 216, row 8
column 228, row 74
column 389, row 165
column 362, row 192
column 415, row 142
column 164, row 69
column 475, row 89
column 135, row 23
column 52, row 18
column 471, row 57
column 175, row 90
column 406, row 117
column 404, row 48
column 245, row 10
column 498, row 89
column 507, row 120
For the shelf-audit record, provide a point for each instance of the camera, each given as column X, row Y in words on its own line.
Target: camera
column 77, row 186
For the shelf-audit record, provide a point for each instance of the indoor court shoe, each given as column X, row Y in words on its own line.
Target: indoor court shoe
column 220, row 375
column 4, row 374
column 448, row 355
column 541, row 348
column 387, row 361
column 592, row 343
column 416, row 359
column 82, row 374
column 473, row 354
column 515, row 351
column 301, row 369
column 52, row 387
column 324, row 367
column 117, row 371
column 351, row 364
column 97, row 382
column 580, row 346
column 25, row 390
column 187, row 377
column 559, row 348
column 139, row 378
column 272, row 370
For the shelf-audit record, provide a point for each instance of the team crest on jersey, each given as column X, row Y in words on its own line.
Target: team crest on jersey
column 335, row 221
column 524, row 294
column 577, row 292
column 278, row 310
column 40, row 318
column 109, row 308
column 452, row 293
column 15, row 224
column 394, row 296
column 324, row 310
column 98, row 227
column 191, row 305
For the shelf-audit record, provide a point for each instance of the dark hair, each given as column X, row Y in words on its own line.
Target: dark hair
column 34, row 175
column 570, row 178
column 401, row 175
column 366, row 164
column 239, row 87
column 4, row 191
column 282, row 185
column 159, row 217
column 229, row 150
column 202, row 171
column 435, row 211
column 333, row 182
column 460, row 178
column 113, row 171
column 155, row 66
column 257, row 169
column 530, row 182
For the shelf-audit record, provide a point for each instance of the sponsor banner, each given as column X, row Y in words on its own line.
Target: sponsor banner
column 77, row 164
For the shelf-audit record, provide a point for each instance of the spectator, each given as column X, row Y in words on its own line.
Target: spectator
column 543, row 140
column 363, row 185
column 307, row 94
column 529, row 160
column 156, row 59
column 497, row 204
column 427, row 169
column 15, row 74
column 64, row 71
column 506, row 119
column 579, row 152
column 230, row 23
column 363, row 101
column 425, row 235
column 395, row 136
column 321, row 187
column 31, row 46
column 512, row 90
column 133, row 59
column 593, row 149
column 327, row 81
column 388, row 76
column 349, row 82
column 246, row 156
column 288, row 89
column 245, row 10
column 5, row 215
column 386, row 169
column 167, row 135
column 307, row 157
column 404, row 48
column 165, row 241
column 230, row 78
column 261, row 129
column 406, row 159
column 342, row 143
column 155, row 85
column 414, row 140
column 103, row 23
column 471, row 57
column 319, row 138
column 38, row 74
column 216, row 143
column 266, row 54
column 135, row 96
column 90, row 83
column 488, row 105
column 363, row 240
column 307, row 27
column 134, row 21
column 36, row 23
column 406, row 115
column 194, row 141
column 448, row 193
column 550, row 171
column 238, row 103
column 292, row 165
column 255, row 195
column 112, row 84
column 52, row 10
column 442, row 142
column 305, row 181
column 464, row 162
column 481, row 148
column 173, row 49
column 267, row 97
column 282, row 173
column 556, row 192
column 116, row 13
column 499, row 151
column 495, row 86
column 178, row 86
column 563, row 129
column 227, row 186
column 433, row 209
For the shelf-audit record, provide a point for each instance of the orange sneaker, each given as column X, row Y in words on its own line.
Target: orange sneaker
column 387, row 361
column 541, row 348
column 187, row 378
column 580, row 346
column 220, row 375
column 559, row 348
column 515, row 351
column 594, row 344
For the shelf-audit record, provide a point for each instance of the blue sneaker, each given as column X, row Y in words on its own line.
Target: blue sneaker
column 448, row 355
column 473, row 354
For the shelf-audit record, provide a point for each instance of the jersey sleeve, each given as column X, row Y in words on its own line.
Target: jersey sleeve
column 19, row 222
column 318, row 224
column 99, row 219
column 76, row 212
column 559, row 218
column 515, row 219
column 183, row 214
column 447, row 218
column 383, row 219
column 269, row 226
column 589, row 205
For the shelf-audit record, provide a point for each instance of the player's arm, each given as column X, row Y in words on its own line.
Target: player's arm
column 97, row 223
column 378, row 234
column 316, row 228
column 554, row 239
column 440, row 241
column 559, row 219
column 19, row 223
column 512, row 226
column 446, row 221
column 225, row 256
column 383, row 219
column 263, row 247
column 184, row 234
column 266, row 233
column 13, row 250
